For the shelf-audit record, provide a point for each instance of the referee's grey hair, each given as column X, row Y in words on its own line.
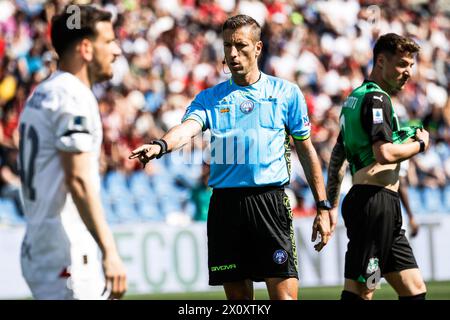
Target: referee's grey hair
column 242, row 20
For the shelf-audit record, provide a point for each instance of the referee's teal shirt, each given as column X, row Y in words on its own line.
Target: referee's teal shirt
column 250, row 128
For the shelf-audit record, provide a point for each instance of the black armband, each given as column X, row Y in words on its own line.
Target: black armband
column 163, row 144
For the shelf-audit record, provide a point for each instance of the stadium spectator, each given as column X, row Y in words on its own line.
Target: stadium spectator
column 201, row 195
column 9, row 177
column 168, row 51
column 430, row 172
column 404, row 198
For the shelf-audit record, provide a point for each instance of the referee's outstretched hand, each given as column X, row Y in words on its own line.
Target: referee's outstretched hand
column 145, row 153
column 323, row 225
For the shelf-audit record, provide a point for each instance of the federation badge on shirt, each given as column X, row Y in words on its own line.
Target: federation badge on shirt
column 247, row 106
column 377, row 115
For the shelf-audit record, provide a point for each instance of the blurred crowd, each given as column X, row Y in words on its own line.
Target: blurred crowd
column 172, row 49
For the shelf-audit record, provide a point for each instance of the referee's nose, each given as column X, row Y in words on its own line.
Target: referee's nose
column 233, row 52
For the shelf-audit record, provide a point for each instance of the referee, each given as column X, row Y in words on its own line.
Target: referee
column 251, row 116
column 374, row 145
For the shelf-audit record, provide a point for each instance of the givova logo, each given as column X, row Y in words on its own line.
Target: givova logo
column 225, row 267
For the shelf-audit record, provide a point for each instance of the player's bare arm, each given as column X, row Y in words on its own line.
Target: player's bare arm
column 78, row 180
column 336, row 172
column 389, row 153
column 176, row 138
column 323, row 223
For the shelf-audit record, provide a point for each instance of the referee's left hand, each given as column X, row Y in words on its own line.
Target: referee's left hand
column 322, row 225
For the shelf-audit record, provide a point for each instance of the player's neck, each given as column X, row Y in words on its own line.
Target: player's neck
column 376, row 77
column 247, row 79
column 79, row 71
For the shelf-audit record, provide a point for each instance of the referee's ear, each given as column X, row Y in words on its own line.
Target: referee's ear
column 258, row 46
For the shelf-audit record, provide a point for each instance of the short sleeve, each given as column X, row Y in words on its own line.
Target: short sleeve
column 74, row 132
column 376, row 113
column 298, row 120
column 197, row 111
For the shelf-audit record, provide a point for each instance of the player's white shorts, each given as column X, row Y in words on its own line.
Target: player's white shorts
column 64, row 271
column 82, row 280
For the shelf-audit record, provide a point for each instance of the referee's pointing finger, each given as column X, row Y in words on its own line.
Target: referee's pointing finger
column 136, row 152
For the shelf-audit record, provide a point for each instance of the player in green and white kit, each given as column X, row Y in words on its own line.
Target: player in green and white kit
column 373, row 144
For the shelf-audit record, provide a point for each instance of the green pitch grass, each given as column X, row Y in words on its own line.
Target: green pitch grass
column 436, row 291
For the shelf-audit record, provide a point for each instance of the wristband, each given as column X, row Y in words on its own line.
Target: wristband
column 324, row 204
column 163, row 144
column 422, row 145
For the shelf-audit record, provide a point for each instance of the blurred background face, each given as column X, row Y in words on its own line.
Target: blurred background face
column 396, row 69
column 241, row 50
column 106, row 50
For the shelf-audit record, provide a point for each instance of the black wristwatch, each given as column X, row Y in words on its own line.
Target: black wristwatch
column 324, row 204
column 422, row 145
column 163, row 144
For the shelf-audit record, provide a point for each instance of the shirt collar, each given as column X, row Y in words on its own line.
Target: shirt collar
column 254, row 86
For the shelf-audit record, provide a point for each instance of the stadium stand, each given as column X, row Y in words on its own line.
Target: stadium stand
column 171, row 52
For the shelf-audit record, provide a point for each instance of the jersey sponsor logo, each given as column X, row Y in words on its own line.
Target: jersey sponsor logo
column 350, row 102
column 280, row 256
column 225, row 267
column 224, row 110
column 378, row 98
column 247, row 106
column 377, row 114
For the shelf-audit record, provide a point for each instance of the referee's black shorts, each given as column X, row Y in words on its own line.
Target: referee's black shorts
column 377, row 242
column 250, row 235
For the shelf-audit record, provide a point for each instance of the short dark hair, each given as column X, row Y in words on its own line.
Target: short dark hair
column 242, row 20
column 393, row 43
column 65, row 37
